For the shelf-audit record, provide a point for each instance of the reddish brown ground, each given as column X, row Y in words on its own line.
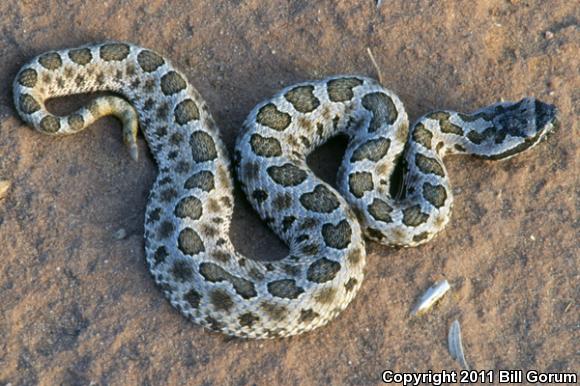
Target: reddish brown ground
column 77, row 306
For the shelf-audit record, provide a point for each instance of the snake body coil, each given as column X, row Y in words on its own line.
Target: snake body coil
column 188, row 216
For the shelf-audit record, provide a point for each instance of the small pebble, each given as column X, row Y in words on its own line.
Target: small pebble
column 4, row 186
column 120, row 234
column 430, row 297
column 455, row 344
column 532, row 237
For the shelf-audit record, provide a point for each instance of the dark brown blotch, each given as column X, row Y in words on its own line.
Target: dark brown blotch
column 209, row 231
column 130, row 69
column 310, row 249
column 172, row 83
column 259, row 195
column 438, row 115
column 160, row 255
column 337, row 236
column 302, row 98
column 375, row 234
column 221, row 300
column 76, row 122
column 488, row 116
column 189, row 242
column 450, row 128
column 165, row 180
column 287, row 174
column 50, row 60
column 175, row 138
column 421, row 237
column 214, row 324
column 213, row 205
column 202, row 180
column 265, row 146
column 202, row 147
column 422, row 136
column 282, row 201
column 50, row 124
column 374, row 150
column 165, row 230
column 149, row 60
column 221, row 256
column 148, row 104
column 248, row 319
column 340, row 90
column 285, row 288
column 350, row 284
column 114, row 52
column 193, row 298
column 186, row 111
column 476, row 137
column 149, row 86
column 270, row 116
column 182, row 270
column 274, row 311
column 183, row 167
column 308, row 223
column 355, row 256
column 325, row 295
column 412, row 216
column 28, row 77
column 162, row 110
column 435, row 194
column 189, row 207
column 429, row 165
column 81, row 56
column 251, row 170
column 287, row 222
column 322, row 270
column 291, row 270
column 168, row 194
column 214, row 273
column 380, row 210
column 321, row 200
column 383, row 110
column 308, row 315
column 359, row 183
column 28, row 104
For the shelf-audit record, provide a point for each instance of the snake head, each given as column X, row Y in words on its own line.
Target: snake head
column 527, row 118
column 519, row 126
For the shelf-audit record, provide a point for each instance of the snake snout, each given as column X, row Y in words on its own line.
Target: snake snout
column 545, row 115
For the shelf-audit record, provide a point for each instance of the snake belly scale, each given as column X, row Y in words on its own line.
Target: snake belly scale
column 188, row 249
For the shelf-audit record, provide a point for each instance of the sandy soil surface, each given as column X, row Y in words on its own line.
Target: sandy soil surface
column 77, row 305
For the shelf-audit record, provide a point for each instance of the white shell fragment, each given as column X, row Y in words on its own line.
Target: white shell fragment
column 455, row 345
column 430, row 297
column 120, row 234
column 4, row 186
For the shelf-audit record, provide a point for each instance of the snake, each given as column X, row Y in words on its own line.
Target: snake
column 392, row 186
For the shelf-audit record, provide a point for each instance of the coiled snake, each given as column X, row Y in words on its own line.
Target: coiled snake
column 187, row 245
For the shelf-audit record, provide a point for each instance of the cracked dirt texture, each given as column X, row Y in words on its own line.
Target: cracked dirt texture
column 77, row 305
